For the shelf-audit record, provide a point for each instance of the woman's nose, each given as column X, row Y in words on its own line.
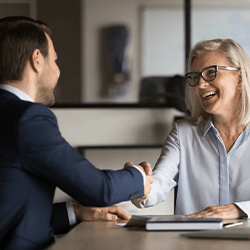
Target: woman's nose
column 202, row 83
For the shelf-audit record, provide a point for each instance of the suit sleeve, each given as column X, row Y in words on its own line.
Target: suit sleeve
column 45, row 153
column 60, row 220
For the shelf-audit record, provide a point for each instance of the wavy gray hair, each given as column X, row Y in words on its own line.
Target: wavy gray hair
column 238, row 58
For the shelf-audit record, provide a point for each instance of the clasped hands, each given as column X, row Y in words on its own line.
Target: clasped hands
column 112, row 213
column 146, row 168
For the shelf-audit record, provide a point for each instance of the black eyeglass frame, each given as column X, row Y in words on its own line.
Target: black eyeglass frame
column 200, row 74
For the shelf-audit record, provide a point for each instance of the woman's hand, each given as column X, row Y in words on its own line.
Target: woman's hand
column 230, row 211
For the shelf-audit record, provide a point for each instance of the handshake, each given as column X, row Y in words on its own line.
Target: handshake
column 146, row 168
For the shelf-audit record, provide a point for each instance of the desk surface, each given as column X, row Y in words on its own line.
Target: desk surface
column 109, row 236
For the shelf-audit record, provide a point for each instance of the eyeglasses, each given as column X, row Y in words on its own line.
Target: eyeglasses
column 208, row 74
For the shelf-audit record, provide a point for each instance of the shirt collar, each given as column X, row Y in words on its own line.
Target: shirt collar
column 209, row 125
column 246, row 132
column 19, row 93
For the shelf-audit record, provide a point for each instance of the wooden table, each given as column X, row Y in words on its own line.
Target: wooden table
column 109, row 236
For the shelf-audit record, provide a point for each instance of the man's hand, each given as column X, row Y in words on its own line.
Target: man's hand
column 99, row 213
column 146, row 167
column 229, row 211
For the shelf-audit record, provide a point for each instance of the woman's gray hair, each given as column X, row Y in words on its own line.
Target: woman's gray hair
column 238, row 58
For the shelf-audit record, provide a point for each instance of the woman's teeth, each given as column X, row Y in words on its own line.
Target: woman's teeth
column 209, row 94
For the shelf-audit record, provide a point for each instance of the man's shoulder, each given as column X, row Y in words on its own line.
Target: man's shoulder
column 38, row 108
column 11, row 105
column 35, row 110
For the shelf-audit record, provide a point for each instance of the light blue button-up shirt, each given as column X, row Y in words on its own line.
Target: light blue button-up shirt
column 194, row 158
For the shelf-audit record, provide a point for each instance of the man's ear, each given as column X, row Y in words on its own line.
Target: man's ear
column 37, row 60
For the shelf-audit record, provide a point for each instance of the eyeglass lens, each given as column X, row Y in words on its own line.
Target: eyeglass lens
column 208, row 74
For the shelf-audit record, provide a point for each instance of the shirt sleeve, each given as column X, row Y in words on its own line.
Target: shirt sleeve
column 138, row 204
column 244, row 206
column 165, row 172
column 71, row 213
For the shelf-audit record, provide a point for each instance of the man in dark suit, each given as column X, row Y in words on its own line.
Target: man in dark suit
column 34, row 157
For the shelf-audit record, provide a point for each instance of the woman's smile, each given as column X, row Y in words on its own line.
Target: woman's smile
column 209, row 94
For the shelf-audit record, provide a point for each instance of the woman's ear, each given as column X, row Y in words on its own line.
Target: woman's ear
column 37, row 60
column 240, row 84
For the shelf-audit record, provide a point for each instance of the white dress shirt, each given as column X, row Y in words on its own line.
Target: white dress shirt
column 19, row 93
column 194, row 158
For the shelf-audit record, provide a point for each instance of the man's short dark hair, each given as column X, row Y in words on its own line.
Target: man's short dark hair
column 19, row 37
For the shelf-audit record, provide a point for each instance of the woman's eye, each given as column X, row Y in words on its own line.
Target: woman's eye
column 210, row 72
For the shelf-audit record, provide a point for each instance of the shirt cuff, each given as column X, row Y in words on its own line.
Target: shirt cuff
column 138, row 204
column 71, row 213
column 143, row 174
column 244, row 206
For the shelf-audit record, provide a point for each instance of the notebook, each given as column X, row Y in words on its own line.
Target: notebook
column 173, row 223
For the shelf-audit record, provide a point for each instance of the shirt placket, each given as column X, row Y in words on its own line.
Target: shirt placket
column 224, row 161
column 224, row 173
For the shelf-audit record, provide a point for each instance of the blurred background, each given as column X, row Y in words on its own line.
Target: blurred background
column 156, row 36
column 132, row 53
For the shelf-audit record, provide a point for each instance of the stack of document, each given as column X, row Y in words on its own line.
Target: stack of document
column 173, row 223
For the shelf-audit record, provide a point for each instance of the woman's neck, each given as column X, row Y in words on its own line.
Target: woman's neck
column 229, row 130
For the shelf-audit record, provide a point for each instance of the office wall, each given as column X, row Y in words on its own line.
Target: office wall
column 76, row 26
column 99, row 14
column 64, row 19
column 115, row 126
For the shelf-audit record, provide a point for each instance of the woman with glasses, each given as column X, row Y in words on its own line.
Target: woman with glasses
column 208, row 155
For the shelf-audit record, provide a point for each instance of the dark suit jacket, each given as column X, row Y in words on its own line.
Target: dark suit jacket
column 34, row 159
